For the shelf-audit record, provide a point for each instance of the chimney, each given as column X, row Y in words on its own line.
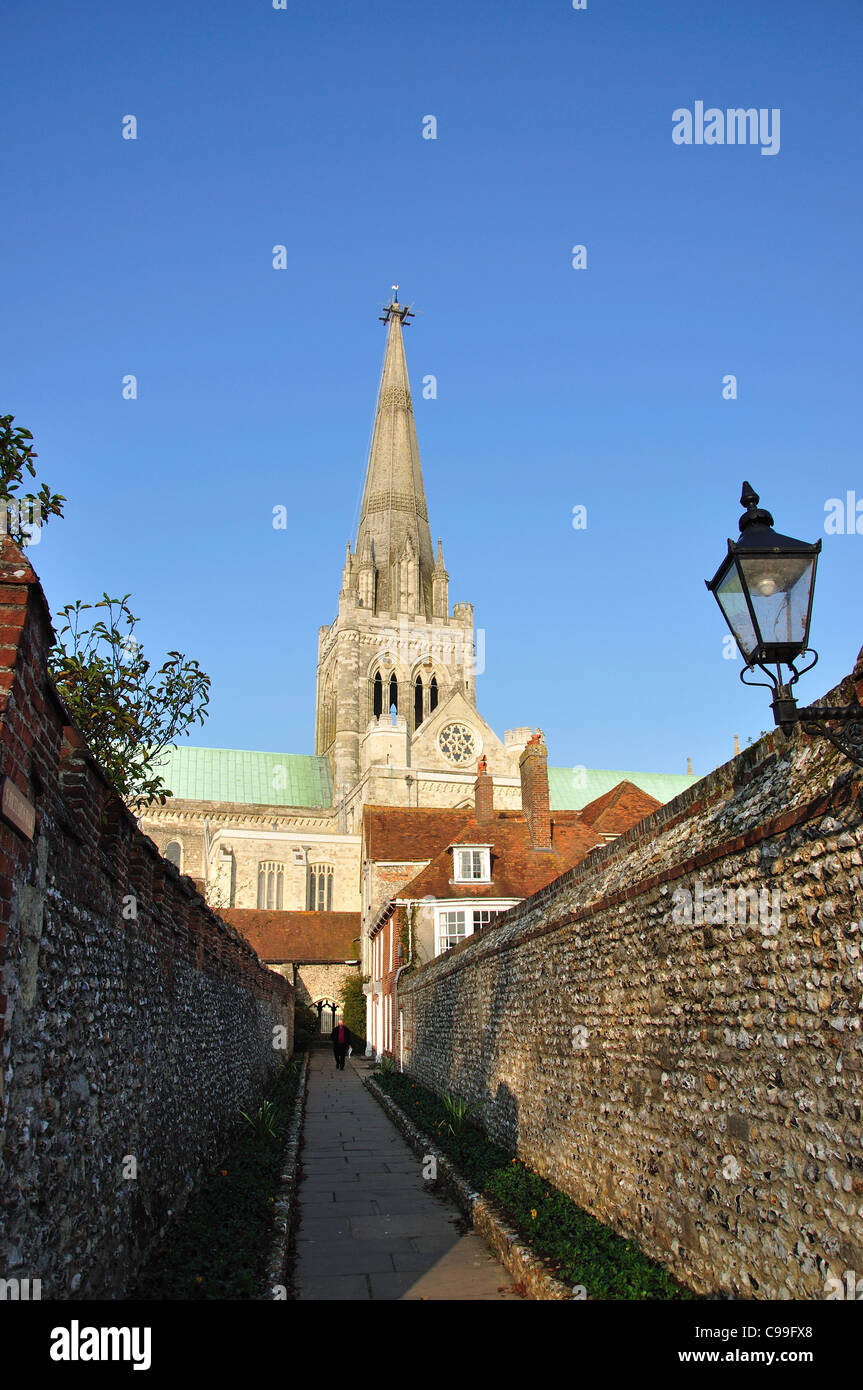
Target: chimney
column 533, row 766
column 484, row 793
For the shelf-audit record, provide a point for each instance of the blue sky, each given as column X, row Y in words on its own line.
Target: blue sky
column 556, row 387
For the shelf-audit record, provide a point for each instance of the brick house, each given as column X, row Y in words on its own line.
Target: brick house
column 469, row 867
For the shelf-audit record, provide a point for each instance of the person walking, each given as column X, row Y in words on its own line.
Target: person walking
column 342, row 1040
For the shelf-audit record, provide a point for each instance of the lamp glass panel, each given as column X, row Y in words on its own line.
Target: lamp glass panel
column 732, row 601
column 780, row 588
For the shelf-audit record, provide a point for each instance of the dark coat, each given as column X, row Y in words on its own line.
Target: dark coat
column 350, row 1040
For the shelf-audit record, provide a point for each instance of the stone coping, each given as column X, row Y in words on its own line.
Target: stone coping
column 527, row 1270
column 286, row 1190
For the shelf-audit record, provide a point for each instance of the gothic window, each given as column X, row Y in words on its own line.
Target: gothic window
column 378, row 701
column 394, row 694
column 174, row 853
column 433, row 694
column 321, row 888
column 271, row 886
column 418, row 702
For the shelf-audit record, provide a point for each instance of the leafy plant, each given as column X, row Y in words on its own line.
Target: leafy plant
column 458, row 1113
column 387, row 1065
column 128, row 715
column 266, row 1120
column 16, row 457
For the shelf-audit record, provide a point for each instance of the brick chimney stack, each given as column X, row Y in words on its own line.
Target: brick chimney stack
column 484, row 793
column 533, row 767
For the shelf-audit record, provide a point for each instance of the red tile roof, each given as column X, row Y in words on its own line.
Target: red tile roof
column 517, row 869
column 619, row 809
column 415, row 835
column 303, row 937
column 409, row 835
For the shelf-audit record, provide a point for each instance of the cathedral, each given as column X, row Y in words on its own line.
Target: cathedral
column 396, row 723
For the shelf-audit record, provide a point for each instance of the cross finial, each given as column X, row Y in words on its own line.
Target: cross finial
column 396, row 310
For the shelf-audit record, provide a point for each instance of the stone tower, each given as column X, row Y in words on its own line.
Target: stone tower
column 395, row 653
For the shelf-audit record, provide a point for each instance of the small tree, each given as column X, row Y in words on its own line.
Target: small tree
column 128, row 715
column 16, row 456
column 353, row 1003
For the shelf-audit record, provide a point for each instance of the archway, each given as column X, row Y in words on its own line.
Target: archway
column 329, row 1014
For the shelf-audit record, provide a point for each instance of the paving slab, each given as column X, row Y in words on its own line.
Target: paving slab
column 368, row 1227
column 341, row 1287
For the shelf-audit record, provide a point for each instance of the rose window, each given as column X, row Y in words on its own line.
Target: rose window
column 457, row 743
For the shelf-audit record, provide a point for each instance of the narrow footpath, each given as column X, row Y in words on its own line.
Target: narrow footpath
column 368, row 1228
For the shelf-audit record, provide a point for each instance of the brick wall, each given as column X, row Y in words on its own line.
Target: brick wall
column 688, row 1068
column 135, row 1023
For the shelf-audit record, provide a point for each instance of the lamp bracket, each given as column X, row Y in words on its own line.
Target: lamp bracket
column 777, row 684
column 770, row 684
column 848, row 739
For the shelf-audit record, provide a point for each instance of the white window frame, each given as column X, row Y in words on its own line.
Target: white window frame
column 470, row 911
column 444, row 935
column 492, row 912
column 479, row 864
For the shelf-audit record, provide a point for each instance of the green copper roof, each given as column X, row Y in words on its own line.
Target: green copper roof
column 232, row 774
column 570, row 788
column 303, row 779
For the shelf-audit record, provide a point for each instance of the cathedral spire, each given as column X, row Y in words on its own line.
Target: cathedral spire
column 394, row 505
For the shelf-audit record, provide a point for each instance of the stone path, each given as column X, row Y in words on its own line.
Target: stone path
column 368, row 1228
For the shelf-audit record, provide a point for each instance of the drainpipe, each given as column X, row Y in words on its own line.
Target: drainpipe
column 410, row 912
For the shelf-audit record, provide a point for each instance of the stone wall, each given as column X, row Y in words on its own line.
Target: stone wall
column 322, row 981
column 135, row 1023
column 685, row 1063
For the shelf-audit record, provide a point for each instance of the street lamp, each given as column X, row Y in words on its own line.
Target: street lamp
column 764, row 588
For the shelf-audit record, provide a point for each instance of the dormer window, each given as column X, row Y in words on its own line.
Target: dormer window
column 472, row 864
